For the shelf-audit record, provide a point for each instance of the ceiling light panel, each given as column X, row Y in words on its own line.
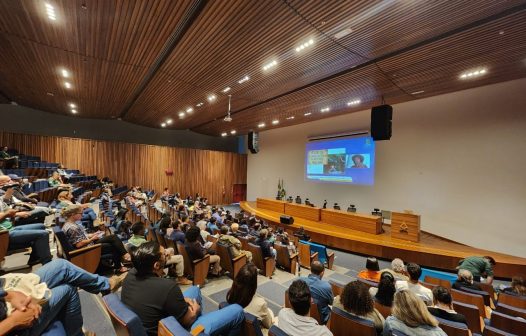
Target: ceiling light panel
column 473, row 74
column 270, row 65
column 244, row 79
column 304, row 45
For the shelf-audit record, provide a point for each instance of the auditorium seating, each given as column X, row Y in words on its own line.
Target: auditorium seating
column 453, row 328
column 485, row 295
column 285, row 260
column 313, row 312
column 511, row 311
column 345, row 324
column 127, row 323
column 198, row 269
column 490, row 331
column 474, row 299
column 276, row 331
column 305, row 255
column 471, row 312
column 514, row 301
column 265, row 265
column 513, row 325
column 229, row 263
column 337, row 288
column 437, row 281
column 324, row 256
column 87, row 258
column 252, row 326
column 384, row 310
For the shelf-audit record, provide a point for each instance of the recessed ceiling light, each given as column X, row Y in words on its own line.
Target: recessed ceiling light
column 474, row 73
column 181, row 114
column 270, row 65
column 189, row 110
column 50, row 11
column 342, row 33
column 211, row 98
column 233, row 132
column 169, row 121
column 261, row 125
column 199, row 104
column 307, row 114
column 417, row 92
column 225, row 90
column 354, row 102
column 65, row 73
column 163, row 125
column 67, row 85
column 304, row 45
column 275, row 122
column 224, row 134
column 290, row 118
column 72, row 105
column 73, row 111
column 244, row 79
column 325, row 109
column 50, row 94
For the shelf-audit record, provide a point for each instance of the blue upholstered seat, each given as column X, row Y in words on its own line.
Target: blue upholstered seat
column 55, row 329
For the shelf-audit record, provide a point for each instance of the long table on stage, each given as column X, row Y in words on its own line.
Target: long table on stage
column 431, row 251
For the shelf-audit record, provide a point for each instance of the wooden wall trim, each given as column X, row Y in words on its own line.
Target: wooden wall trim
column 211, row 173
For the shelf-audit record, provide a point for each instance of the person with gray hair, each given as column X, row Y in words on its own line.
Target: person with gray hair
column 465, row 280
column 397, row 270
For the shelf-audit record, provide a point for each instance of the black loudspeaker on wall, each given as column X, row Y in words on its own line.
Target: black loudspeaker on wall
column 381, row 117
column 253, row 142
column 284, row 219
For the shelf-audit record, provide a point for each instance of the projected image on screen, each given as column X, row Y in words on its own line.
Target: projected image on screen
column 343, row 160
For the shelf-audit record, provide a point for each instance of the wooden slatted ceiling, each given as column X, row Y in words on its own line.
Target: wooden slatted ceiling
column 203, row 171
column 242, row 45
column 111, row 45
column 433, row 68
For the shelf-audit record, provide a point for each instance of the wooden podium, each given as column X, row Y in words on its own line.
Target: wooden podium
column 405, row 226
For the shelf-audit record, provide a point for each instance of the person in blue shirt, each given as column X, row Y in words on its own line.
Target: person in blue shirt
column 177, row 234
column 321, row 290
column 217, row 216
column 211, row 226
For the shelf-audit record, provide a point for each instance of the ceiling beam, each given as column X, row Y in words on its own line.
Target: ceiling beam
column 187, row 21
column 507, row 12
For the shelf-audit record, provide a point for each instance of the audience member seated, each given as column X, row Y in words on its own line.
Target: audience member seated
column 153, row 297
column 17, row 185
column 196, row 251
column 397, row 269
column 60, row 279
column 78, row 237
column 56, row 181
column 443, row 306
column 371, row 271
column 10, row 162
column 411, row 317
column 63, row 174
column 290, row 246
column 177, row 235
column 414, row 286
column 30, row 235
column 203, row 234
column 296, row 321
column 479, row 267
column 517, row 288
column 266, row 247
column 172, row 259
column 66, row 198
column 465, row 279
column 165, row 196
column 211, row 226
column 27, row 213
column 356, row 300
column 243, row 292
column 384, row 294
column 234, row 228
column 217, row 216
column 232, row 241
column 320, row 290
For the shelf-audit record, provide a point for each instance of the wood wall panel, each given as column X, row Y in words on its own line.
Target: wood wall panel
column 211, row 173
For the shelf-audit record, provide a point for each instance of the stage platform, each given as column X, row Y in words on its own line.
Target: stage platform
column 431, row 251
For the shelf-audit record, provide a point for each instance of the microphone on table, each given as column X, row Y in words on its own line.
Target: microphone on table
column 336, row 206
column 325, row 204
column 351, row 208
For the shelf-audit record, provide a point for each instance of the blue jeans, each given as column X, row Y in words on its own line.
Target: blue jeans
column 34, row 236
column 227, row 321
column 63, row 278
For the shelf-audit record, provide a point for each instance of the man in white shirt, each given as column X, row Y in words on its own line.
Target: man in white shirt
column 296, row 321
column 414, row 271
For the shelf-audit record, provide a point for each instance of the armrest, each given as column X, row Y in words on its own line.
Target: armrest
column 199, row 261
column 314, row 256
column 239, row 257
column 84, row 250
column 197, row 330
column 292, row 256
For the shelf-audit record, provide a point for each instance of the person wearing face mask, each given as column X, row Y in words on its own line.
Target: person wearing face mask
column 152, row 297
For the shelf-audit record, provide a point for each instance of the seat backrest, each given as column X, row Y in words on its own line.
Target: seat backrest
column 276, row 331
column 337, row 288
column 226, row 261
column 322, row 252
column 61, row 239
column 169, row 326
column 304, row 254
column 342, row 322
column 428, row 285
column 437, row 281
column 471, row 313
column 453, row 328
column 257, row 256
column 384, row 310
column 369, row 283
column 282, row 258
column 511, row 311
column 252, row 326
column 512, row 300
column 187, row 263
column 469, row 298
column 485, row 295
column 4, row 244
column 160, row 237
column 507, row 323
column 491, row 331
column 125, row 321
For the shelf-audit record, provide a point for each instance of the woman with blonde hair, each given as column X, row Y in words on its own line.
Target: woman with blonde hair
column 409, row 315
column 78, row 237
